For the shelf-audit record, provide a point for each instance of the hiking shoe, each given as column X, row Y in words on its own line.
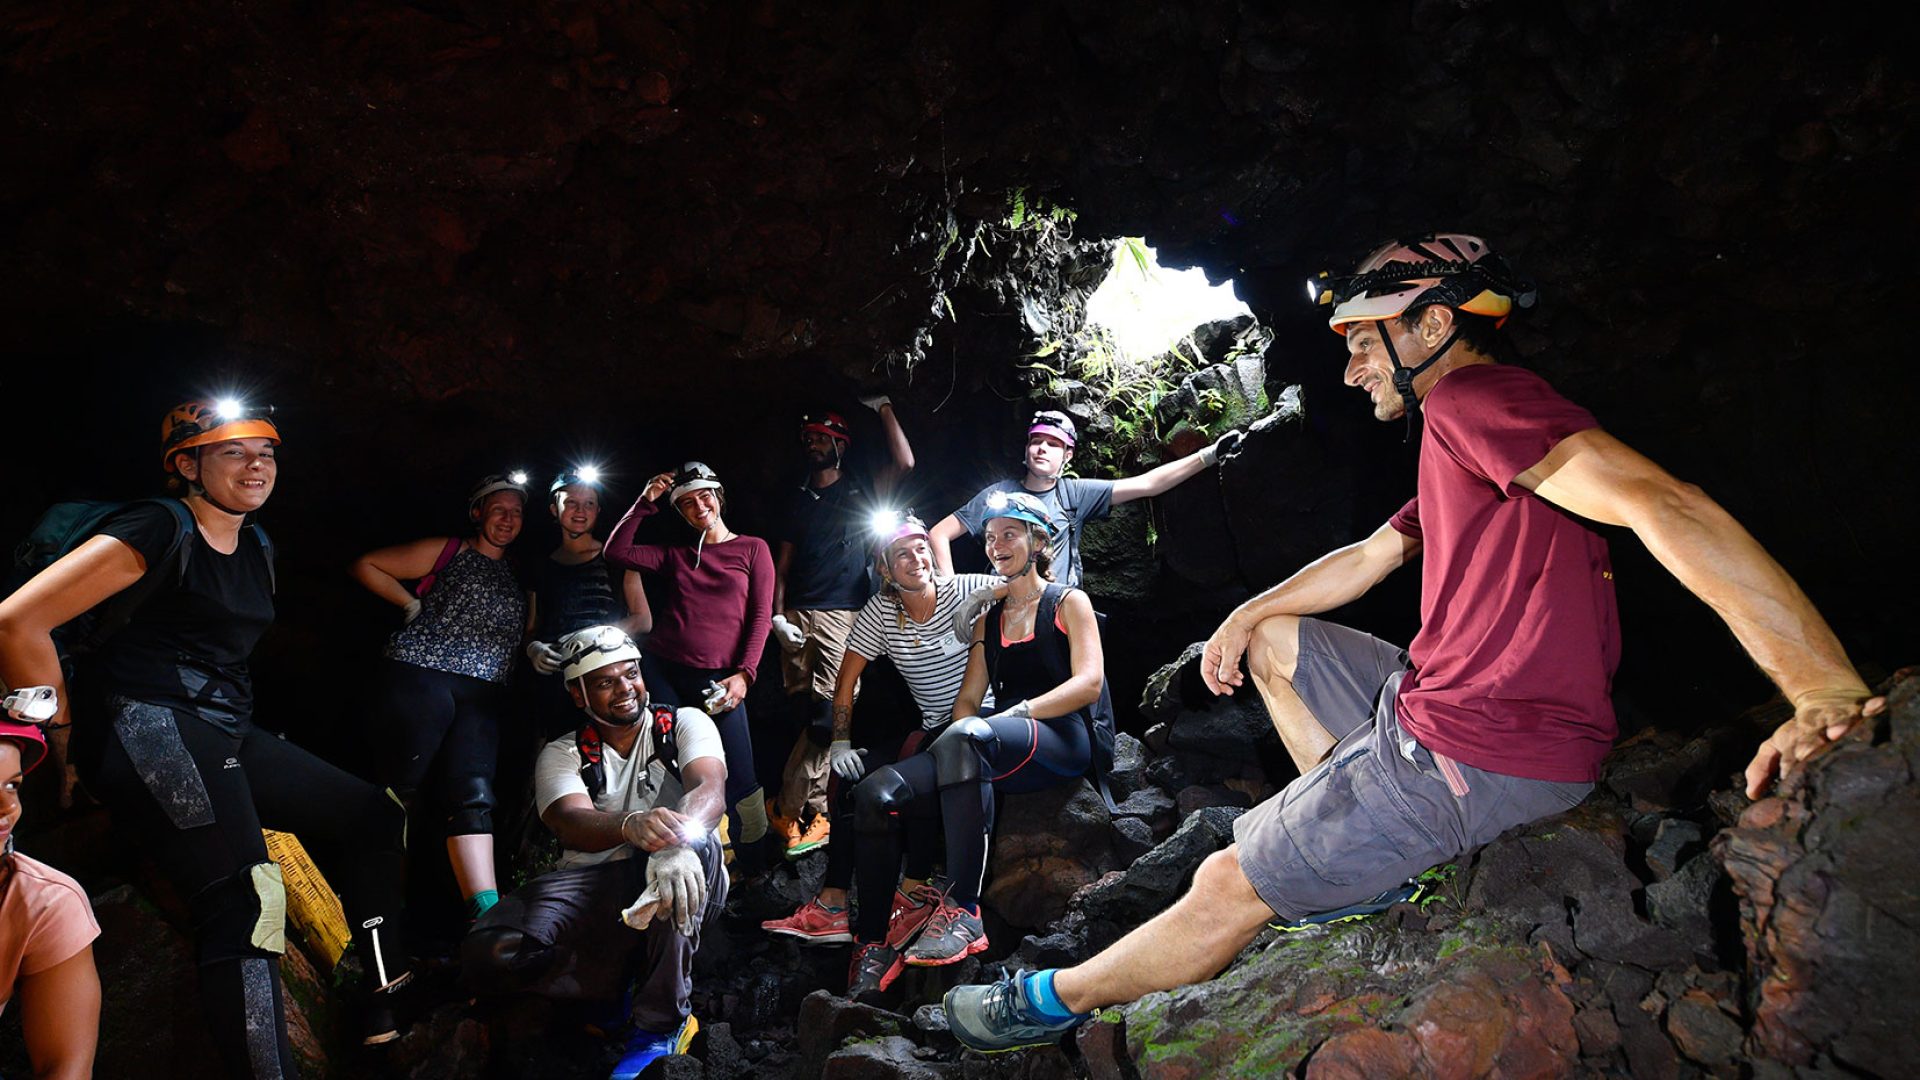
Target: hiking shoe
column 813, row 924
column 911, row 912
column 645, row 1047
column 1421, row 890
column 951, row 935
column 801, row 841
column 998, row 1017
column 874, row 968
column 381, row 1018
column 787, row 829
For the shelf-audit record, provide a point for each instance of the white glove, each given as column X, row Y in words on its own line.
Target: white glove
column 846, row 760
column 971, row 608
column 1019, row 710
column 546, row 659
column 410, row 612
column 790, row 637
column 1223, row 448
column 874, row 401
column 676, row 887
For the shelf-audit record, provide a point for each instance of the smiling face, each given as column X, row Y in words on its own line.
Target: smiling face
column 1047, row 456
column 701, row 509
column 1010, row 544
column 237, row 474
column 499, row 517
column 612, row 694
column 11, row 776
column 1370, row 367
column 576, row 507
column 909, row 564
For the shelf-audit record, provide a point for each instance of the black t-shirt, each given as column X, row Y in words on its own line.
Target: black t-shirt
column 188, row 644
column 570, row 598
column 829, row 529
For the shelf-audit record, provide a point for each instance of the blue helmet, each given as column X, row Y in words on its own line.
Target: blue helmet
column 1021, row 506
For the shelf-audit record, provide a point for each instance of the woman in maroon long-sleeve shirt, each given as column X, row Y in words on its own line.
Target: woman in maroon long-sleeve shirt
column 712, row 624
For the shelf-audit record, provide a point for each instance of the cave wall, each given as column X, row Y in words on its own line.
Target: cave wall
column 448, row 237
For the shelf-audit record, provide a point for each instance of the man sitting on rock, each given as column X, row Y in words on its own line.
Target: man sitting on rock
column 1499, row 712
column 634, row 796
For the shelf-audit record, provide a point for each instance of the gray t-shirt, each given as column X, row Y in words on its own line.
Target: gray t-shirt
column 1073, row 502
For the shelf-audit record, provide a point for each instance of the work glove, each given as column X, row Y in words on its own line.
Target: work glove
column 1019, row 710
column 1223, row 448
column 546, row 659
column 971, row 608
column 676, row 888
column 874, row 401
column 790, row 637
column 410, row 612
column 846, row 760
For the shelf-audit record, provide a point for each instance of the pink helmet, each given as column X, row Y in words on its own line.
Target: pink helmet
column 890, row 527
column 1454, row 269
column 31, row 739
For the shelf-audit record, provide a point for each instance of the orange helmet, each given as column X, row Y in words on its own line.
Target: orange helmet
column 201, row 423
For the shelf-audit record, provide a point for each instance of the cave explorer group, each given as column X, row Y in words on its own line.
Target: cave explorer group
column 1497, row 714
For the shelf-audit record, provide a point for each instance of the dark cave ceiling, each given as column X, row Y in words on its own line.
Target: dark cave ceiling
column 440, row 233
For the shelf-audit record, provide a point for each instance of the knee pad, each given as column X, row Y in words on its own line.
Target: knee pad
column 501, row 960
column 956, row 753
column 753, row 816
column 879, row 797
column 241, row 917
column 469, row 806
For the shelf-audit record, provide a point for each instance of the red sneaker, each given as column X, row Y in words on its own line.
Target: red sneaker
column 874, row 968
column 911, row 912
column 952, row 934
column 813, row 924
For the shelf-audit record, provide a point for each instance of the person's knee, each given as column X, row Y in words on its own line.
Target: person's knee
column 501, row 959
column 880, row 798
column 469, row 806
column 1222, row 883
column 1273, row 651
column 958, row 751
column 241, row 916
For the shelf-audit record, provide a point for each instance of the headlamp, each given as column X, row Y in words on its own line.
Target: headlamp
column 518, row 476
column 885, row 521
column 589, row 474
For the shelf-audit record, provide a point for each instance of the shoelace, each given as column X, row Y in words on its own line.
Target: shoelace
column 1000, row 1008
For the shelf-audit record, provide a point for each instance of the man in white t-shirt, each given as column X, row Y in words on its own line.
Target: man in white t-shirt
column 634, row 796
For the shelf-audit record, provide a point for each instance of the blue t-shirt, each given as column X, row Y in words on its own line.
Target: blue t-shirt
column 1073, row 502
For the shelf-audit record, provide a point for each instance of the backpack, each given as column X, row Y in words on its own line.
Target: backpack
column 666, row 750
column 1101, row 729
column 67, row 525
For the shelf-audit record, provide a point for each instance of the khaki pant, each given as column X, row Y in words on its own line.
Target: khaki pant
column 815, row 668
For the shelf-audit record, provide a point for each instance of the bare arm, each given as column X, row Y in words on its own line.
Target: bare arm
column 381, row 572
column 639, row 618
column 60, row 1017
column 1338, row 577
column 851, row 665
column 899, row 451
column 1082, row 688
column 580, row 827
column 941, row 538
column 1597, row 476
column 85, row 576
column 973, row 686
column 782, row 563
column 1158, row 481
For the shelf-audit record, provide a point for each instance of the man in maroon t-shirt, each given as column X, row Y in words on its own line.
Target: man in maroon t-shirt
column 1499, row 711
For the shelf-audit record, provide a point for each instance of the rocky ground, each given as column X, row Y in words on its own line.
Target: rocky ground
column 1665, row 928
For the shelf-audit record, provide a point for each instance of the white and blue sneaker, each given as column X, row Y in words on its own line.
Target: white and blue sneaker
column 645, row 1047
column 999, row 1016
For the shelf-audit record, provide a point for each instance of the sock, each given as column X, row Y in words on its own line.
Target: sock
column 479, row 903
column 824, row 906
column 1040, row 995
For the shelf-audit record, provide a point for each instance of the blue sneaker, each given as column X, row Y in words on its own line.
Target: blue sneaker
column 998, row 1017
column 645, row 1047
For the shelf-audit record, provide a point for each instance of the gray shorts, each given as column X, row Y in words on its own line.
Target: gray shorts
column 1380, row 808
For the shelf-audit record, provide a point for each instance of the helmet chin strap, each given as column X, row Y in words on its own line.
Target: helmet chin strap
column 1403, row 375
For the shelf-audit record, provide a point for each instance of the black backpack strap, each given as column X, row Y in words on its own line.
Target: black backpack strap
column 666, row 745
column 1099, row 760
column 119, row 609
column 266, row 549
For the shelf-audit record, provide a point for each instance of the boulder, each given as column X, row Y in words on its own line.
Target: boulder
column 1830, row 892
column 1047, row 844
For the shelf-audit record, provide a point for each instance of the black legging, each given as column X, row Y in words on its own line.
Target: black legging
column 1012, row 756
column 172, row 782
column 439, row 735
column 923, row 832
column 676, row 684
